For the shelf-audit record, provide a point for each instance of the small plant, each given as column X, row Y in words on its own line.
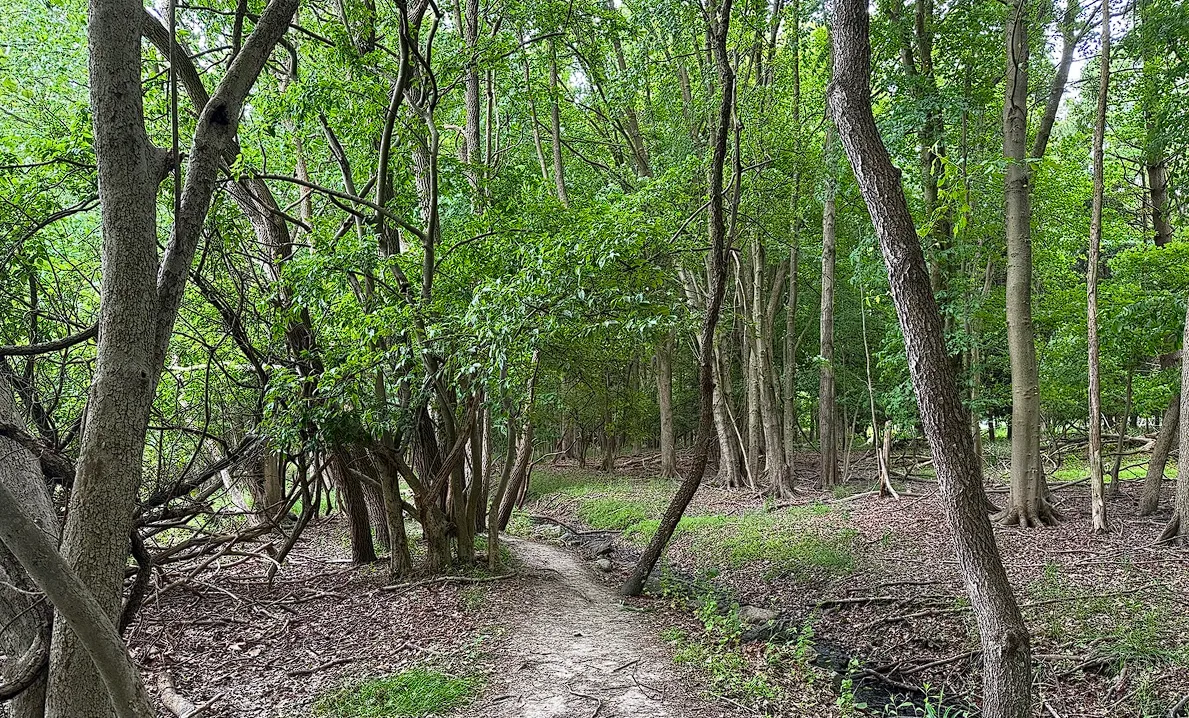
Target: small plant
column 415, row 692
column 473, row 597
column 847, row 703
column 933, row 705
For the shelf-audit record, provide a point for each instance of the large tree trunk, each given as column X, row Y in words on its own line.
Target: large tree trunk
column 354, row 506
column 718, row 19
column 1007, row 679
column 95, row 542
column 26, row 621
column 827, row 416
column 1097, row 491
column 1165, row 440
column 1027, row 504
column 138, row 306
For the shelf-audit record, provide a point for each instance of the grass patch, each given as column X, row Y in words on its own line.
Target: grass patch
column 415, row 692
column 804, row 542
column 1145, row 629
column 788, row 541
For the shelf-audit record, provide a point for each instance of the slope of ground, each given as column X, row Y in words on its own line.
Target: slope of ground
column 867, row 590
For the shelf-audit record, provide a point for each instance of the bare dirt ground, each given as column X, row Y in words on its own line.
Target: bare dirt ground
column 574, row 650
column 552, row 641
column 251, row 648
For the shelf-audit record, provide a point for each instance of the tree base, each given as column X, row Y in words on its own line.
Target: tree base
column 1039, row 515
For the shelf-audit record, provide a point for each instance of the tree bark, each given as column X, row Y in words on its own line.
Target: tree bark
column 1027, row 504
column 139, row 301
column 28, row 540
column 827, row 415
column 1177, row 529
column 664, row 393
column 1097, row 491
column 354, row 506
column 25, row 638
column 1007, row 679
column 1165, row 440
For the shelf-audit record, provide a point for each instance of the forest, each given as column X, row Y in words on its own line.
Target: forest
column 594, row 358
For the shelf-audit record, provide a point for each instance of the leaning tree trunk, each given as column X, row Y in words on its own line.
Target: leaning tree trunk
column 354, row 506
column 1165, row 440
column 1007, row 674
column 1177, row 530
column 718, row 19
column 1027, row 503
column 26, row 620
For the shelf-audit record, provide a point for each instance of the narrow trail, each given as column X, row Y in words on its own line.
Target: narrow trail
column 578, row 653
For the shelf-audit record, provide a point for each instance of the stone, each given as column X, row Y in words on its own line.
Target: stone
column 604, row 565
column 755, row 614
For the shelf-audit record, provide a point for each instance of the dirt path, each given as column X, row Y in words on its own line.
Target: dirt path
column 577, row 653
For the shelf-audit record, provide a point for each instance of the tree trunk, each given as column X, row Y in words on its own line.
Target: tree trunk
column 26, row 621
column 732, row 460
column 497, row 499
column 1007, row 675
column 1027, row 504
column 1177, row 529
column 1115, row 488
column 774, row 461
column 400, row 560
column 559, row 168
column 1165, row 440
column 138, row 305
column 354, row 507
column 827, row 419
column 1097, row 492
column 664, row 394
column 789, row 374
column 373, row 496
column 718, row 19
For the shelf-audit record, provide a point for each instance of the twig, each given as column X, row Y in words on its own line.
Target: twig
column 632, row 662
column 589, row 697
column 324, row 666
column 403, row 587
column 940, row 662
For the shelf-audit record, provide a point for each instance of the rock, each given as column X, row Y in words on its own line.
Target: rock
column 604, row 565
column 549, row 531
column 755, row 614
column 601, row 548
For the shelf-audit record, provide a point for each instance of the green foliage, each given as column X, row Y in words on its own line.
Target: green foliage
column 415, row 692
column 717, row 653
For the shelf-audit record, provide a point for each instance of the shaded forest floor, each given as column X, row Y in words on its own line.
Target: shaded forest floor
column 543, row 640
column 843, row 603
column 834, row 603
